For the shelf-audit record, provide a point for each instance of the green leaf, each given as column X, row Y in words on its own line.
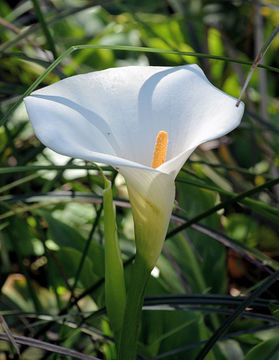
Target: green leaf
column 266, row 350
column 62, row 234
column 114, row 274
column 206, row 250
column 178, row 330
column 232, row 349
column 242, row 228
column 66, row 236
column 21, row 237
column 275, row 310
column 69, row 260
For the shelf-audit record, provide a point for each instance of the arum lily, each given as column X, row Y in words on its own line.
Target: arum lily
column 114, row 117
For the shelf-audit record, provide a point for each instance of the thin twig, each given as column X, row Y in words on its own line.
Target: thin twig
column 17, row 31
column 259, row 40
column 9, row 334
column 9, row 26
column 257, row 61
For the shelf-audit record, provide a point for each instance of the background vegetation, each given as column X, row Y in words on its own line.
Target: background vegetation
column 223, row 238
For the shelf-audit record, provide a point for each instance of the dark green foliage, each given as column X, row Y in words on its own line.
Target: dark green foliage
column 51, row 223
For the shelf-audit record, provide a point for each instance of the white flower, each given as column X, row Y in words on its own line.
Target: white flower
column 114, row 116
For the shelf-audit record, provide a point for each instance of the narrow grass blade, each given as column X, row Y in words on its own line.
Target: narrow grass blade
column 62, row 14
column 19, row 169
column 210, row 310
column 200, row 343
column 264, row 209
column 34, row 60
column 202, row 299
column 249, row 300
column 119, row 48
column 257, row 258
column 228, row 167
column 18, row 182
column 86, row 248
column 45, row 29
column 48, row 347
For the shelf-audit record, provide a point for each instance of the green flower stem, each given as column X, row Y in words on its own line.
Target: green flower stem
column 135, row 296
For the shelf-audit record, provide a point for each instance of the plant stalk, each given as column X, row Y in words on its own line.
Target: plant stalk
column 135, row 296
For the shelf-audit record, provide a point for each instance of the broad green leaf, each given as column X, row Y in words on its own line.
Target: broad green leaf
column 266, row 350
column 242, row 228
column 69, row 260
column 189, row 263
column 180, row 335
column 210, row 255
column 159, row 329
column 66, row 236
column 20, row 235
column 62, row 234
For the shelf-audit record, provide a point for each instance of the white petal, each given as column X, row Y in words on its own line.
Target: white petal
column 113, row 116
column 192, row 109
column 65, row 131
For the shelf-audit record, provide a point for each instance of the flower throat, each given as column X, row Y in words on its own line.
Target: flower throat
column 160, row 150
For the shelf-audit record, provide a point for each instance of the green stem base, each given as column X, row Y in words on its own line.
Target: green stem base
column 135, row 296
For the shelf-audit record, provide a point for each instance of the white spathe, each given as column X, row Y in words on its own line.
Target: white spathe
column 114, row 116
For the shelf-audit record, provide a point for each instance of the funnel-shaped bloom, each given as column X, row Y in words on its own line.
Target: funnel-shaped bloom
column 114, row 116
